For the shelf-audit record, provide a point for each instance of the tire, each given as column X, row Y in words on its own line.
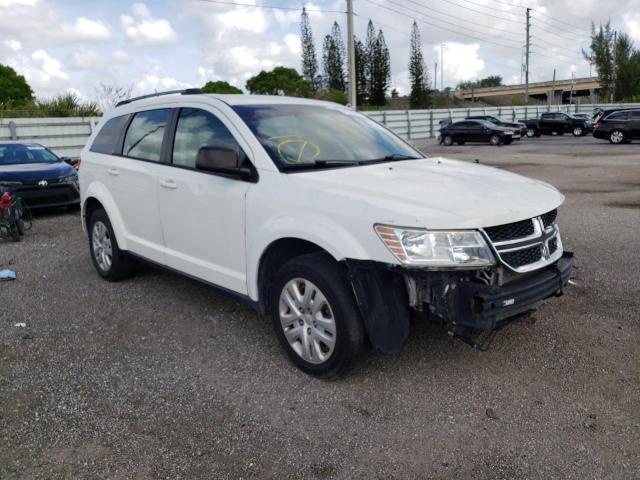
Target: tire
column 578, row 132
column 461, row 143
column 119, row 266
column 495, row 139
column 531, row 132
column 538, row 134
column 447, row 141
column 320, row 276
column 20, row 225
column 14, row 233
column 617, row 137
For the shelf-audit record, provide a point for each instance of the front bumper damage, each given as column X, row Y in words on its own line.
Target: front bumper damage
column 466, row 302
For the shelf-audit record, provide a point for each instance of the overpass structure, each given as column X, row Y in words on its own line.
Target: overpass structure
column 581, row 87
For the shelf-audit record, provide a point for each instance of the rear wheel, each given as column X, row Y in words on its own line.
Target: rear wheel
column 447, row 141
column 537, row 133
column 578, row 131
column 617, row 137
column 110, row 262
column 531, row 132
column 315, row 316
column 495, row 139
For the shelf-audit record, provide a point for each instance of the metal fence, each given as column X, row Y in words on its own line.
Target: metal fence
column 423, row 124
column 67, row 136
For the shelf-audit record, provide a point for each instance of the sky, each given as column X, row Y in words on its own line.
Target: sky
column 155, row 45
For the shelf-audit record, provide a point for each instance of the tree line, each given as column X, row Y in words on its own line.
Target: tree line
column 327, row 78
column 617, row 62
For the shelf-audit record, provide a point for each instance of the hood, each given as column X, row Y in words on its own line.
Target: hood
column 435, row 193
column 30, row 172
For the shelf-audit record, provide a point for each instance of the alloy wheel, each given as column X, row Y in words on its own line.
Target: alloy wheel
column 102, row 248
column 617, row 136
column 307, row 320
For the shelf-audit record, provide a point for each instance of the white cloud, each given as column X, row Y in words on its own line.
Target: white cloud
column 86, row 29
column 9, row 3
column 153, row 82
column 49, row 66
column 461, row 62
column 632, row 22
column 14, row 45
column 144, row 30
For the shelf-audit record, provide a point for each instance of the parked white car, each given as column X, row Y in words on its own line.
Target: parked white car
column 319, row 217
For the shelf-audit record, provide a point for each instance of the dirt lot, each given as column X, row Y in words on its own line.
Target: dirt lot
column 160, row 377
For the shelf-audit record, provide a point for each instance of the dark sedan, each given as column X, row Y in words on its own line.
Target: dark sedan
column 38, row 176
column 479, row 131
column 501, row 122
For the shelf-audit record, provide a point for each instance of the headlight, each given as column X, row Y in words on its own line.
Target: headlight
column 69, row 179
column 464, row 248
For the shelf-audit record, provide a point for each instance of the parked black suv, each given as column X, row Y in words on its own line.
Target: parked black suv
column 521, row 127
column 477, row 131
column 618, row 126
column 558, row 123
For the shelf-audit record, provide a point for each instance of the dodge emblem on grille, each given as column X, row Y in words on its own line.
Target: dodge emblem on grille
column 43, row 183
column 545, row 251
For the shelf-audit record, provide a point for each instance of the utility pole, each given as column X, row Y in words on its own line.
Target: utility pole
column 351, row 56
column 442, row 66
column 527, row 53
column 553, row 88
column 615, row 73
column 435, row 77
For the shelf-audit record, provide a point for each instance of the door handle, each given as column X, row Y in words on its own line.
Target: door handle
column 113, row 171
column 168, row 183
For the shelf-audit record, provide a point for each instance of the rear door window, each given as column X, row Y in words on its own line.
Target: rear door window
column 196, row 129
column 145, row 134
column 109, row 137
column 635, row 115
column 618, row 116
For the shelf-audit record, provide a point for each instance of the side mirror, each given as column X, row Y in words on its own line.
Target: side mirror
column 226, row 161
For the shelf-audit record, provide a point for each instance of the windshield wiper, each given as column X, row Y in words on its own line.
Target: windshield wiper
column 393, row 157
column 322, row 163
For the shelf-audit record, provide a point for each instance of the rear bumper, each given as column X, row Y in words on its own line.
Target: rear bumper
column 385, row 295
column 51, row 196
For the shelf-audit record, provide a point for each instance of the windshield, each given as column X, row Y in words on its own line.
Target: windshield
column 310, row 136
column 12, row 154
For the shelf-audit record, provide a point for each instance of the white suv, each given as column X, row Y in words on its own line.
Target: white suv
column 319, row 217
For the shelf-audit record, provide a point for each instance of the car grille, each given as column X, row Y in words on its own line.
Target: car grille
column 527, row 244
column 510, row 231
column 51, row 196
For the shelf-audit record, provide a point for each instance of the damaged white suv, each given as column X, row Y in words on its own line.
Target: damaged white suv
column 319, row 217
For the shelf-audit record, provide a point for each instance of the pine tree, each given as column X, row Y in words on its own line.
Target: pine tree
column 420, row 96
column 333, row 59
column 380, row 71
column 369, row 50
column 360, row 56
column 309, row 60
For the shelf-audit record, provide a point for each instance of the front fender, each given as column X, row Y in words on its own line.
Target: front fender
column 99, row 192
column 341, row 243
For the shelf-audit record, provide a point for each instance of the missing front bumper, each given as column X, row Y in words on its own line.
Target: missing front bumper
column 455, row 298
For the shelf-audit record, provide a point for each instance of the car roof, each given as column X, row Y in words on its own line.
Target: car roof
column 622, row 109
column 20, row 142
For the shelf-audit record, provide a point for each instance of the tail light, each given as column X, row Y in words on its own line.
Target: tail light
column 597, row 125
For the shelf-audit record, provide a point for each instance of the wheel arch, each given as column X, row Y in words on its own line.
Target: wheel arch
column 97, row 197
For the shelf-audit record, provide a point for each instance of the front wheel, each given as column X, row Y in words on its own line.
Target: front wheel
column 531, row 132
column 578, row 132
column 495, row 139
column 315, row 316
column 110, row 262
column 447, row 141
column 616, row 137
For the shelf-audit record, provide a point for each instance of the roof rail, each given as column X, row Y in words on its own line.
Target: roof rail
column 187, row 91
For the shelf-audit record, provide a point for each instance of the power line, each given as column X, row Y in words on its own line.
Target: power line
column 456, row 17
column 441, row 27
column 550, row 17
column 491, row 14
column 272, row 7
column 575, row 37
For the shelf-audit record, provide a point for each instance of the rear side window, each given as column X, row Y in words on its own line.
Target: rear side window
column 196, row 129
column 145, row 134
column 618, row 116
column 635, row 114
column 109, row 135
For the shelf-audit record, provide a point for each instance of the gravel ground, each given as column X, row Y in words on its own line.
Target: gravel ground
column 160, row 377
